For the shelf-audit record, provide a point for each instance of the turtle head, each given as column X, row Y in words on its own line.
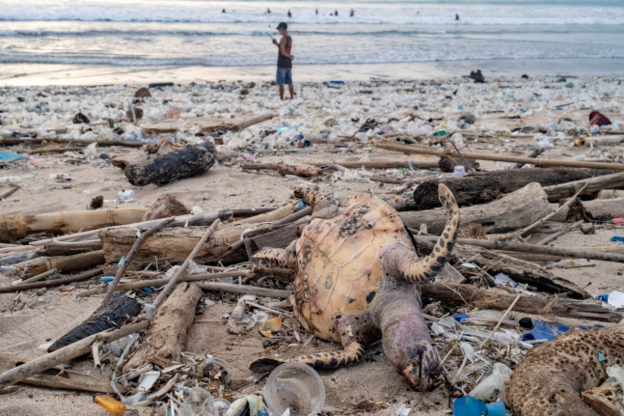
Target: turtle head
column 324, row 205
column 422, row 370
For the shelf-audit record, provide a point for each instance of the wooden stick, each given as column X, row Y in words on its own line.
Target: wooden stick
column 63, row 263
column 133, row 250
column 162, row 282
column 51, row 283
column 244, row 289
column 542, row 220
column 416, row 164
column 66, row 354
column 68, row 249
column 497, row 157
column 174, row 279
column 558, row 234
column 8, row 141
column 10, row 192
column 582, row 253
column 39, row 277
column 500, row 321
column 274, row 215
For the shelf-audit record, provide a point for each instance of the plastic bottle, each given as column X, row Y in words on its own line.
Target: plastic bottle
column 110, row 404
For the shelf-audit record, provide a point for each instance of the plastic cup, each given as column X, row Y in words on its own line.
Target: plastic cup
column 294, row 386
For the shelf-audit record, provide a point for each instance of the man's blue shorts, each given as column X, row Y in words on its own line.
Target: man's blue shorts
column 284, row 76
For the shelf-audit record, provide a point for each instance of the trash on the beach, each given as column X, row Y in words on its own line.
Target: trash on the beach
column 492, row 385
column 617, row 239
column 402, row 411
column 125, row 197
column 110, row 404
column 616, row 299
column 6, row 157
column 294, row 385
column 596, row 118
column 198, row 403
column 617, row 372
column 80, row 118
column 147, row 381
column 217, row 368
column 470, row 406
column 251, row 405
column 269, row 326
column 459, row 171
column 572, row 263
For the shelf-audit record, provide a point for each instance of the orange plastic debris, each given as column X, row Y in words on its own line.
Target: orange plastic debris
column 113, row 406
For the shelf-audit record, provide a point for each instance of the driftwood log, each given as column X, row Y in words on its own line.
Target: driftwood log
column 468, row 295
column 173, row 166
column 52, row 283
column 519, row 270
column 165, row 206
column 59, row 378
column 594, row 185
column 112, row 314
column 416, row 164
column 484, row 187
column 45, row 362
column 515, row 210
column 166, row 338
column 14, row 227
column 68, row 249
column 63, row 264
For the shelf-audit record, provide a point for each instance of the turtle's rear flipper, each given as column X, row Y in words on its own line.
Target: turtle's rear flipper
column 324, row 205
column 279, row 257
column 351, row 355
column 408, row 266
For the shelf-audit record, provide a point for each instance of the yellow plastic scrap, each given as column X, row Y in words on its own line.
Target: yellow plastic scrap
column 269, row 326
column 110, row 404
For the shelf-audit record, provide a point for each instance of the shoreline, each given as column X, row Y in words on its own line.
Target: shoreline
column 22, row 75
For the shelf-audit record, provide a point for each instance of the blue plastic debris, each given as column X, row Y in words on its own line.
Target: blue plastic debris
column 147, row 290
column 300, row 205
column 549, row 331
column 283, row 129
column 469, row 406
column 459, row 316
column 107, row 279
column 617, row 239
column 9, row 156
column 601, row 357
column 122, row 260
column 337, row 82
column 604, row 298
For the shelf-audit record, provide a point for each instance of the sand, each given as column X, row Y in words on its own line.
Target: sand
column 374, row 380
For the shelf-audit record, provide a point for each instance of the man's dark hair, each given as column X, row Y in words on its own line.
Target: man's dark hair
column 282, row 25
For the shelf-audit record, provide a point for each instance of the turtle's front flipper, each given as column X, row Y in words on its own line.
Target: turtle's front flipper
column 408, row 266
column 280, row 257
column 324, row 205
column 352, row 354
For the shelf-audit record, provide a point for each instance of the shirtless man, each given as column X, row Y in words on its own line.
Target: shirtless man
column 284, row 61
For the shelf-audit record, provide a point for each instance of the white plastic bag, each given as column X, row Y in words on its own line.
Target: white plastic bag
column 492, row 385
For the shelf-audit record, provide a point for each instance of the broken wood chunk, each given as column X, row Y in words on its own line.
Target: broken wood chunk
column 165, row 206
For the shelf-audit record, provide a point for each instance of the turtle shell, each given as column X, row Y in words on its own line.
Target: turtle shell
column 339, row 269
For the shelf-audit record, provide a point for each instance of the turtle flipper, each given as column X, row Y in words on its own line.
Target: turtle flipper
column 408, row 266
column 279, row 257
column 351, row 355
column 324, row 205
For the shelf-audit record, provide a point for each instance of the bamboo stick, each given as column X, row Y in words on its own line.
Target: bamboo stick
column 63, row 263
column 65, row 354
column 133, row 250
column 51, row 283
column 275, row 215
column 498, row 158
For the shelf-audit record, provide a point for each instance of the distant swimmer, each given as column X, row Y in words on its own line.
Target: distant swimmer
column 268, row 11
column 317, row 12
column 223, row 11
column 289, row 14
column 456, row 17
column 352, row 13
column 336, row 13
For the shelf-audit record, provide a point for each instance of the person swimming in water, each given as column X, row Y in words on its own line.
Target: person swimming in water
column 352, row 13
column 289, row 14
column 456, row 17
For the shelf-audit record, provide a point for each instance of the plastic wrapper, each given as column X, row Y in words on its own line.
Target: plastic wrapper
column 492, row 385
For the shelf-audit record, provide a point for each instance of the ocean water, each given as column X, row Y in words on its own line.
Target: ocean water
column 195, row 32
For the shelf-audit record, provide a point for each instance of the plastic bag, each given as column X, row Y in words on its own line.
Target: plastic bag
column 492, row 385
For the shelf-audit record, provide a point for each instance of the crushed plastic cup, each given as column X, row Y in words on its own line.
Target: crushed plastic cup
column 616, row 299
column 125, row 196
column 459, row 171
column 198, row 403
column 294, row 385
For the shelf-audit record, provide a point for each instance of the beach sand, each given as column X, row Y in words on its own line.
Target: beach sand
column 374, row 380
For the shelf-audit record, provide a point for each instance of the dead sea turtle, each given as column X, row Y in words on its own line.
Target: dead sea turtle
column 356, row 268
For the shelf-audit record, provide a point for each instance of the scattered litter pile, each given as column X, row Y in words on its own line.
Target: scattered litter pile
column 467, row 234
